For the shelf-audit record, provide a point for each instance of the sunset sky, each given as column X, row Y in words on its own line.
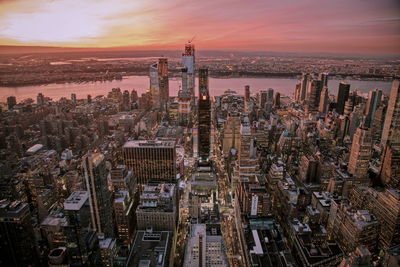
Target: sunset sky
column 339, row 26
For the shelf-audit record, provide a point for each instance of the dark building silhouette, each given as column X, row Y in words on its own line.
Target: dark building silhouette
column 11, row 101
column 81, row 238
column 342, row 96
column 204, row 114
column 16, row 235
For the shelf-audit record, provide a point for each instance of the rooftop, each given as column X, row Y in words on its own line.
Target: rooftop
column 149, row 143
column 150, row 248
column 76, row 200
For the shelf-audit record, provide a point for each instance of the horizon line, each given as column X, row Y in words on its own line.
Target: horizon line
column 139, row 49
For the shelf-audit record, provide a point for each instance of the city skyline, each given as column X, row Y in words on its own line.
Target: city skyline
column 361, row 27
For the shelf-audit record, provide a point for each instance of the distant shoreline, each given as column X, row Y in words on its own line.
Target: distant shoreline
column 218, row 75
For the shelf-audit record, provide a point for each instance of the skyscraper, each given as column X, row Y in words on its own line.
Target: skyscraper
column 81, row 239
column 126, row 101
column 95, row 171
column 154, row 85
column 343, row 95
column 11, row 101
column 204, row 114
column 314, row 94
column 390, row 169
column 270, row 97
column 134, row 96
column 324, row 100
column 246, row 93
column 159, row 83
column 377, row 123
column 246, row 98
column 163, row 82
column 73, row 97
column 40, row 99
column 16, row 235
column 391, row 127
column 374, row 100
column 323, row 77
column 360, row 153
column 263, row 98
column 188, row 61
column 303, row 86
column 277, row 100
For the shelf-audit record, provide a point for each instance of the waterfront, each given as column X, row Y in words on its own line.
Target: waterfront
column 217, row 86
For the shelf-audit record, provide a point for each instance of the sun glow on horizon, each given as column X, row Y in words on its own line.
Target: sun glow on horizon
column 284, row 25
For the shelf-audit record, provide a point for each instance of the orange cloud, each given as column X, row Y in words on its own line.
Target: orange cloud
column 364, row 26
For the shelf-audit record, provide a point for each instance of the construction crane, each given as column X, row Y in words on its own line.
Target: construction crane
column 191, row 40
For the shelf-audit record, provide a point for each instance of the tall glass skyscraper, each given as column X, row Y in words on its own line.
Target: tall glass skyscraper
column 391, row 127
column 95, row 171
column 159, row 83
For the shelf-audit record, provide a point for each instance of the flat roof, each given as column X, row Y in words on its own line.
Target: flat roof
column 76, row 200
column 150, row 248
column 149, row 143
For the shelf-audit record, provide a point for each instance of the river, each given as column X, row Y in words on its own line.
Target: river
column 141, row 83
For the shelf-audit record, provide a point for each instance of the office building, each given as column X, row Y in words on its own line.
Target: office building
column 360, row 153
column 40, row 99
column 297, row 92
column 342, row 97
column 360, row 257
column 108, row 250
column 155, row 85
column 73, row 98
column 204, row 115
column 305, row 80
column 163, row 82
column 263, row 98
column 374, row 100
column 308, row 169
column 390, row 169
column 188, row 61
column 159, row 84
column 124, row 216
column 353, row 228
column 324, row 101
column 254, row 199
column 158, row 208
column 134, row 96
column 96, row 173
column 151, row 160
column 391, row 127
column 151, row 248
column 386, row 207
column 123, row 179
column 314, row 94
column 17, row 244
column 82, row 242
column 246, row 93
column 323, row 77
column 52, row 228
column 231, row 133
column 126, row 101
column 312, row 245
column 205, row 247
column 246, row 167
column 11, row 102
column 377, row 123
column 265, row 244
